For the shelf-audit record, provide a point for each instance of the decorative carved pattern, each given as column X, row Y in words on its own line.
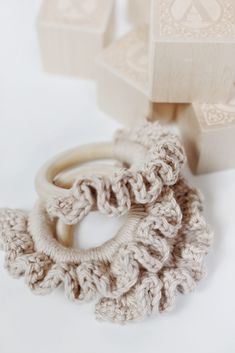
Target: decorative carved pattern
column 196, row 18
column 217, row 114
column 129, row 57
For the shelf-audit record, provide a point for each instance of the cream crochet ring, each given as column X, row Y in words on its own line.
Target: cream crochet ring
column 158, row 252
column 151, row 157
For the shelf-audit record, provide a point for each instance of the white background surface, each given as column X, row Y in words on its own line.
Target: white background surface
column 41, row 115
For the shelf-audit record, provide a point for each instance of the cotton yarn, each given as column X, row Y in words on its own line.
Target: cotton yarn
column 158, row 157
column 158, row 253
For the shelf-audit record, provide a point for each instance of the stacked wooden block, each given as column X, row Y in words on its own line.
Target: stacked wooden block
column 123, row 80
column 184, row 62
column 125, row 71
column 72, row 32
column 207, row 30
column 176, row 63
column 208, row 132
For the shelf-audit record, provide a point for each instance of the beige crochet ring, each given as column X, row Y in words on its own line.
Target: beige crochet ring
column 52, row 180
column 164, row 256
column 146, row 173
column 159, row 252
column 151, row 156
column 55, row 240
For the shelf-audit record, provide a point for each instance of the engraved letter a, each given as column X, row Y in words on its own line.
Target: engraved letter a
column 208, row 11
column 196, row 5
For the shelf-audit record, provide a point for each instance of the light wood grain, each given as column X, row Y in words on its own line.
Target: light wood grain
column 71, row 34
column 44, row 182
column 192, row 50
column 208, row 132
column 123, row 82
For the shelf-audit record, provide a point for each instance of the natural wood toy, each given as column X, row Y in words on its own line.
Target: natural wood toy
column 72, row 32
column 139, row 11
column 158, row 253
column 208, row 132
column 122, row 81
column 192, row 50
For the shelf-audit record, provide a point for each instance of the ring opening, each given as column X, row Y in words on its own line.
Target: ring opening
column 42, row 229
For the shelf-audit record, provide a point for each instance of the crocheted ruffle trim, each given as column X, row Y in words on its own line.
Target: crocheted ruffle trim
column 141, row 182
column 165, row 257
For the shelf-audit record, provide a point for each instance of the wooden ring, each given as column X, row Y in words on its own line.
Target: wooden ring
column 44, row 182
column 47, row 186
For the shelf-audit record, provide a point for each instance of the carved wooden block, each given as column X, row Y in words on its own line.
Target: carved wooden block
column 122, row 80
column 208, row 132
column 139, row 11
column 192, row 50
column 72, row 32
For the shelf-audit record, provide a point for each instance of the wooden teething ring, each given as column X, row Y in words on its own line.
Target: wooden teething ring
column 48, row 184
column 45, row 185
column 160, row 249
column 152, row 159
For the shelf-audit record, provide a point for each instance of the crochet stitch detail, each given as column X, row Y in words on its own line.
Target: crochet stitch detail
column 142, row 183
column 165, row 257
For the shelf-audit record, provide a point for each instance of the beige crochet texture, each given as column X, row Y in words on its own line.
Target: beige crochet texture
column 157, row 254
column 159, row 160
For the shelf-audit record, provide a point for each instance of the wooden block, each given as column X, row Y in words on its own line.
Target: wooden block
column 72, row 32
column 122, row 80
column 139, row 11
column 192, row 50
column 208, row 132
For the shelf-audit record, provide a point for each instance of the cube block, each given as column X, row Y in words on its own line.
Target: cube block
column 192, row 50
column 72, row 32
column 208, row 132
column 122, row 80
